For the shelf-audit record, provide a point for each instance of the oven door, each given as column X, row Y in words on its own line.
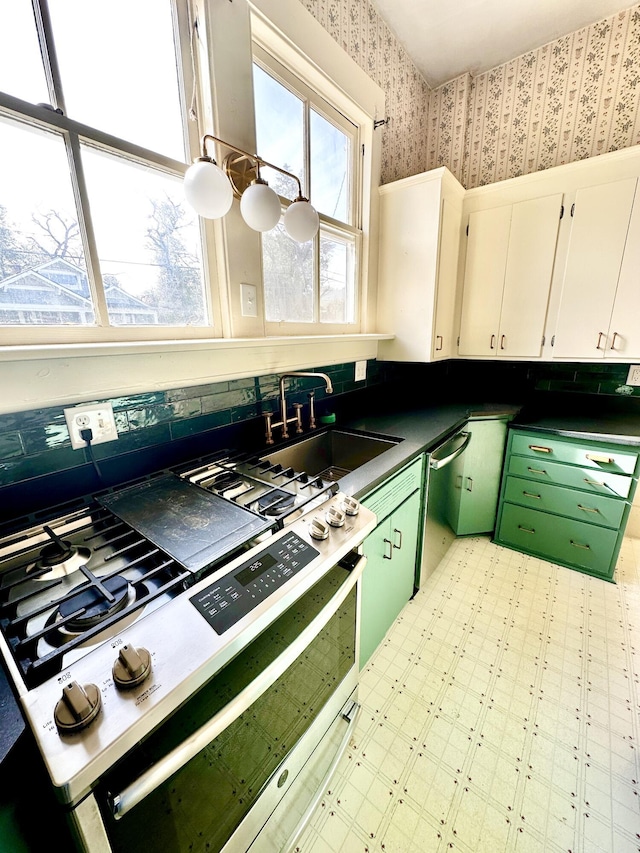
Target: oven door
column 244, row 761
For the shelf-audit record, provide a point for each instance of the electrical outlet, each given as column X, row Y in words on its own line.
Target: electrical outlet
column 361, row 370
column 98, row 418
column 634, row 374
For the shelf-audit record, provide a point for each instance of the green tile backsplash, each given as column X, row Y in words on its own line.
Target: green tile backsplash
column 37, row 442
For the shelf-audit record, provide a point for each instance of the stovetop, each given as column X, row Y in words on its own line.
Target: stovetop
column 70, row 584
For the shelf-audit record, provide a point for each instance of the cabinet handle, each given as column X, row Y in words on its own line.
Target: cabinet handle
column 596, row 483
column 601, row 335
column 613, row 341
column 493, row 340
column 399, row 532
column 526, row 529
column 536, row 470
column 439, row 338
column 502, row 340
column 458, row 482
column 587, row 508
column 578, row 545
column 470, row 484
column 531, row 495
column 540, row 449
column 598, row 457
column 390, row 544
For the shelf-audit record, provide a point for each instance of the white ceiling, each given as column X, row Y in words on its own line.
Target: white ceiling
column 446, row 38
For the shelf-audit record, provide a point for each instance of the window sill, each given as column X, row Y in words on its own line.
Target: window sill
column 63, row 374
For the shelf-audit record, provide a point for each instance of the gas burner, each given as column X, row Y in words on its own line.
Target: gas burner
column 225, row 481
column 275, row 503
column 94, row 603
column 58, row 559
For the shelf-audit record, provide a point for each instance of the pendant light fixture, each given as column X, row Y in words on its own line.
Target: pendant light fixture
column 209, row 189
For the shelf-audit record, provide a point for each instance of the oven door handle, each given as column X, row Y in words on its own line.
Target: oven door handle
column 152, row 778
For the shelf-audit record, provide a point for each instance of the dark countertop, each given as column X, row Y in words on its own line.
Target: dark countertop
column 616, row 428
column 421, row 430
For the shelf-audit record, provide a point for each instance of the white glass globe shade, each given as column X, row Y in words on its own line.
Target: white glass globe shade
column 207, row 189
column 260, row 207
column 301, row 221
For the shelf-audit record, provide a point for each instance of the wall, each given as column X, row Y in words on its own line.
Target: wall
column 573, row 98
column 363, row 34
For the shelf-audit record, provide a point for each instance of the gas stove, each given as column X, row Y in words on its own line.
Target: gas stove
column 102, row 605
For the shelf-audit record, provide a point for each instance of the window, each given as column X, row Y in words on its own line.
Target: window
column 94, row 231
column 315, row 282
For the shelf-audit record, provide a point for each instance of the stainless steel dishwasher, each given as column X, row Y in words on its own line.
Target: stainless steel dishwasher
column 437, row 534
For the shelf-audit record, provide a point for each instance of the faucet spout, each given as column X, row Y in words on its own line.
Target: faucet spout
column 283, row 401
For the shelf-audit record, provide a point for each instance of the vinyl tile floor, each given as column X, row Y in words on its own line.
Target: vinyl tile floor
column 501, row 713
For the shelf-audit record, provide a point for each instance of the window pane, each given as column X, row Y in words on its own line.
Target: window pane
column 43, row 277
column 119, row 71
column 330, row 179
column 280, row 132
column 148, row 244
column 337, row 279
column 288, row 278
column 21, row 70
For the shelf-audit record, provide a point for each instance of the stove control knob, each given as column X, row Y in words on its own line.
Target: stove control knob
column 319, row 529
column 335, row 516
column 350, row 505
column 131, row 668
column 78, row 707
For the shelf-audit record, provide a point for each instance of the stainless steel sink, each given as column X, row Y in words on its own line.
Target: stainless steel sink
column 331, row 454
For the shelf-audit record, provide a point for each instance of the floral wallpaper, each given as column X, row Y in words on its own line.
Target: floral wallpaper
column 363, row 34
column 574, row 98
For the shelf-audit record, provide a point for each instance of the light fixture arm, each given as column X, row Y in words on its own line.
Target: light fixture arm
column 229, row 162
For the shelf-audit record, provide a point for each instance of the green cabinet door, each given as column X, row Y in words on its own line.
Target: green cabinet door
column 475, row 478
column 387, row 582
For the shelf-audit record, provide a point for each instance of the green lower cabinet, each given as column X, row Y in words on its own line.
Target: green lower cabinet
column 561, row 540
column 387, row 582
column 566, row 499
column 474, row 483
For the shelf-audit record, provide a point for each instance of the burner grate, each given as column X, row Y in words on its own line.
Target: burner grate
column 33, row 608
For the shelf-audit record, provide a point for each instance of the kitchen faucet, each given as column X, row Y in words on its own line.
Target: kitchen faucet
column 297, row 418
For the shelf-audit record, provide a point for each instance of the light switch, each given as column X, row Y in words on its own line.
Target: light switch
column 361, row 370
column 249, row 300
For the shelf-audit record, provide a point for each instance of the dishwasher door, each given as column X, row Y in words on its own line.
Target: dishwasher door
column 437, row 534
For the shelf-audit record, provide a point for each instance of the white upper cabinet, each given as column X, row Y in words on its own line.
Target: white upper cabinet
column 508, row 270
column 600, row 300
column 420, row 222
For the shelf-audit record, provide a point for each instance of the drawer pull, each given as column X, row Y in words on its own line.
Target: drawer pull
column 536, row 470
column 598, row 457
column 390, row 554
column 596, row 483
column 578, row 545
column 531, row 495
column 470, row 484
column 540, row 449
column 399, row 532
column 587, row 508
column 526, row 529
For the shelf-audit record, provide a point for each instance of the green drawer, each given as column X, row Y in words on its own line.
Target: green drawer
column 397, row 489
column 593, row 509
column 585, row 454
column 561, row 540
column 595, row 482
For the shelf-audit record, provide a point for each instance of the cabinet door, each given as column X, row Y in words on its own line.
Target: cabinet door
column 531, row 254
column 479, row 485
column 443, row 328
column 624, row 331
column 484, row 280
column 598, row 234
column 388, row 579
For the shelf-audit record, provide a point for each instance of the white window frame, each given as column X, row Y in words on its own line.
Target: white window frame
column 74, row 134
column 314, row 100
column 309, row 53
